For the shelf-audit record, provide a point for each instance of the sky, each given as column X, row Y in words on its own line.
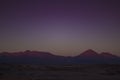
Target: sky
column 62, row 27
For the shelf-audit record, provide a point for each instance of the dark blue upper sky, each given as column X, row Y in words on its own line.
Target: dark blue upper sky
column 64, row 27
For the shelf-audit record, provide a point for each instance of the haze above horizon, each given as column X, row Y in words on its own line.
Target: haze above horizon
column 61, row 27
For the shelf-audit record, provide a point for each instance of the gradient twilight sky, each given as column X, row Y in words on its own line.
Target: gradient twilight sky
column 63, row 27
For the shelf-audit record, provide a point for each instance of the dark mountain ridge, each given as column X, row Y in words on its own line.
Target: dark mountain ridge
column 40, row 57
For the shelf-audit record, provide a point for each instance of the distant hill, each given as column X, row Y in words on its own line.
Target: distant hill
column 88, row 53
column 90, row 56
column 37, row 57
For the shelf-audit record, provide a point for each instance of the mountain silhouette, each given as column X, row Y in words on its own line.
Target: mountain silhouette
column 38, row 54
column 39, row 57
column 108, row 55
column 88, row 53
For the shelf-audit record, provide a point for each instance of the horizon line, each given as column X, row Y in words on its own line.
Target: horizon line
column 58, row 54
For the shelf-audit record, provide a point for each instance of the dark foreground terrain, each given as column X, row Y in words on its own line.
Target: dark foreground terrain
column 60, row 72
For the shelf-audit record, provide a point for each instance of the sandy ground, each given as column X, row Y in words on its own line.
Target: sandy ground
column 60, row 72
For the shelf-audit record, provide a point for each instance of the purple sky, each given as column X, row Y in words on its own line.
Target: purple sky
column 63, row 27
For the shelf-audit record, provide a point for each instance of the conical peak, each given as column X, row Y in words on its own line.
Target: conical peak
column 89, row 52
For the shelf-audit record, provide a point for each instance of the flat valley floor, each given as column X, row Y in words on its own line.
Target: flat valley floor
column 60, row 72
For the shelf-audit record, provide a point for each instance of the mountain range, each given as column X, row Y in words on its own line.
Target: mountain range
column 37, row 57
